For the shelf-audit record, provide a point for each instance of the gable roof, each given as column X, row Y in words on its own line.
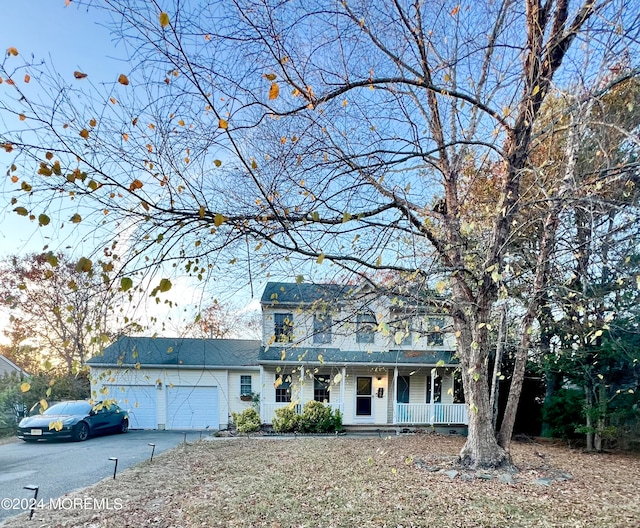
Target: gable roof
column 291, row 293
column 335, row 356
column 7, row 366
column 178, row 352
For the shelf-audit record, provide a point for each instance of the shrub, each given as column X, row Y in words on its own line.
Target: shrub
column 564, row 413
column 320, row 418
column 248, row 421
column 286, row 420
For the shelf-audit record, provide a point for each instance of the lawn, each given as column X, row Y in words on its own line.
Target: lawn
column 357, row 482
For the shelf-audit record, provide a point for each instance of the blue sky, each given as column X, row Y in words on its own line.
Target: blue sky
column 67, row 38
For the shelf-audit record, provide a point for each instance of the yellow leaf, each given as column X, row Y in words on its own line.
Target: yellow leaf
column 76, row 219
column 122, row 79
column 135, row 184
column 217, row 162
column 274, row 91
column 164, row 19
column 218, row 219
column 93, row 123
column 254, row 164
column 12, row 51
column 84, row 133
column 22, row 117
column 320, row 258
column 337, row 378
column 270, row 76
column 181, row 122
column 25, row 387
column 56, row 426
column 223, row 124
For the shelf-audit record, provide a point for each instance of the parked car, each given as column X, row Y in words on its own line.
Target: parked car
column 76, row 420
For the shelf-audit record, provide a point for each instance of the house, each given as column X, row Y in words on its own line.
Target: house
column 8, row 367
column 381, row 361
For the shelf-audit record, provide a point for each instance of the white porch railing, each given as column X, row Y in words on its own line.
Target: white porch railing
column 431, row 413
column 269, row 409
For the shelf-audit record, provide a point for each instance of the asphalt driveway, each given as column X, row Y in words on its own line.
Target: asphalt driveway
column 61, row 467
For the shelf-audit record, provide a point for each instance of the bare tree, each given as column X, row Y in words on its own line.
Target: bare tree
column 350, row 133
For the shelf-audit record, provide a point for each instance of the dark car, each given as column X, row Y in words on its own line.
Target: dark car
column 76, row 420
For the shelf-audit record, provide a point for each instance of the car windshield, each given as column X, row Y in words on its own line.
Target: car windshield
column 69, row 408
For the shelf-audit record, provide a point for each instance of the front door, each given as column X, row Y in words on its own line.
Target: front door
column 364, row 396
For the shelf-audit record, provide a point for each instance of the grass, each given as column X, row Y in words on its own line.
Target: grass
column 357, row 482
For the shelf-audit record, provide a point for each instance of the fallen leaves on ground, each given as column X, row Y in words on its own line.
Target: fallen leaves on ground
column 357, row 482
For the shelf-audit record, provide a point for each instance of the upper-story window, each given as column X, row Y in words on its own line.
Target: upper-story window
column 322, row 328
column 435, row 334
column 283, row 327
column 366, row 325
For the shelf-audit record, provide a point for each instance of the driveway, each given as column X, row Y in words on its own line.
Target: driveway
column 61, row 467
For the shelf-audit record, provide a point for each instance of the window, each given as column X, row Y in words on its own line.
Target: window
column 401, row 331
column 403, row 389
column 283, row 327
column 245, row 385
column 322, row 328
column 435, row 335
column 366, row 327
column 321, row 386
column 437, row 389
column 283, row 388
column 458, row 392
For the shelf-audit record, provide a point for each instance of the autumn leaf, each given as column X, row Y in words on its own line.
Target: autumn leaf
column 217, row 162
column 455, row 10
column 320, row 258
column 84, row 265
column 84, row 133
column 93, row 123
column 126, row 284
column 270, row 76
column 223, row 124
column 135, row 184
column 43, row 220
column 79, row 75
column 274, row 91
column 25, row 387
column 27, row 78
column 12, row 51
column 76, row 219
column 218, row 219
column 123, row 79
column 21, row 211
column 164, row 19
column 125, row 136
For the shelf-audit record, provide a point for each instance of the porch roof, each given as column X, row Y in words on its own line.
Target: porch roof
column 335, row 356
column 178, row 352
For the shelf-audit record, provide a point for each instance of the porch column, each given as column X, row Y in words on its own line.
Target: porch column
column 434, row 373
column 395, row 395
column 301, row 391
column 343, row 382
column 262, row 395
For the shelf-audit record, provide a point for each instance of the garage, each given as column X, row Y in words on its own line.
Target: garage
column 139, row 401
column 192, row 407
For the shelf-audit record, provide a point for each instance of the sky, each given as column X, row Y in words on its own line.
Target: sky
column 68, row 38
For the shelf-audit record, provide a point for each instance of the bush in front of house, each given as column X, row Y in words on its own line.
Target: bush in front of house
column 320, row 418
column 248, row 421
column 286, row 420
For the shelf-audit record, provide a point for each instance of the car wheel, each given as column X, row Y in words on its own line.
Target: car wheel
column 124, row 426
column 81, row 432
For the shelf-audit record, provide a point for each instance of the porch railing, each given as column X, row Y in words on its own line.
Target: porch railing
column 431, row 413
column 269, row 409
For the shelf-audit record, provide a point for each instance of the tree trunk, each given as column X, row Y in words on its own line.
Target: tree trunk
column 589, row 414
column 481, row 449
column 497, row 365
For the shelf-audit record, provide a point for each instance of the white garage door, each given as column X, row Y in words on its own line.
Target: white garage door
column 139, row 401
column 192, row 407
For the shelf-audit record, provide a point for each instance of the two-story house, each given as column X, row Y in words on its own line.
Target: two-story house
column 382, row 361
